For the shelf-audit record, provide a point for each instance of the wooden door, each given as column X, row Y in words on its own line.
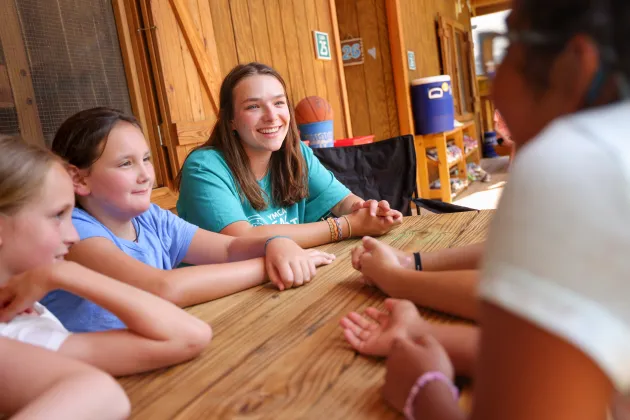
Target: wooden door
column 458, row 61
column 188, row 75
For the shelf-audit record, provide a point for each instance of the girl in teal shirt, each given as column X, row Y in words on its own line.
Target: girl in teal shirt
column 254, row 177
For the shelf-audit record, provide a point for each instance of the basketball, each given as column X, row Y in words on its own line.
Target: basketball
column 313, row 109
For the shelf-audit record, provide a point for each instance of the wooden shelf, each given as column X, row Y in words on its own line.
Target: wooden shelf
column 436, row 194
column 450, row 165
column 470, row 153
column 467, row 124
column 440, row 141
column 7, row 105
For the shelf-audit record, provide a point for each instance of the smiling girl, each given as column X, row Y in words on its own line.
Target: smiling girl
column 254, row 177
column 124, row 236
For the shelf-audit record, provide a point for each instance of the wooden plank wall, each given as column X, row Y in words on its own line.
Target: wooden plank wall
column 280, row 33
column 186, row 81
column 370, row 86
column 420, row 33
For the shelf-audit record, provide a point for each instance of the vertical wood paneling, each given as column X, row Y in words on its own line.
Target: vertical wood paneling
column 306, row 48
column 297, row 90
column 336, row 41
column 195, row 88
column 370, row 86
column 275, row 32
column 333, row 83
column 276, row 39
column 203, row 56
column 208, row 36
column 224, row 34
column 355, row 75
column 260, row 31
column 419, row 28
column 242, row 31
column 173, row 67
column 375, row 85
column 388, row 74
column 318, row 65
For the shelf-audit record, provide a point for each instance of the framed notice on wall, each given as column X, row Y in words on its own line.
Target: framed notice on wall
column 322, row 45
column 352, row 51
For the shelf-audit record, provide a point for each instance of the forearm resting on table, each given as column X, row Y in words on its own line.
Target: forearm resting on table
column 461, row 342
column 198, row 284
column 245, row 248
column 306, row 235
column 460, row 258
column 454, row 292
column 136, row 308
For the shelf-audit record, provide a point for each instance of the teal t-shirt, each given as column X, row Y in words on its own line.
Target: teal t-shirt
column 209, row 194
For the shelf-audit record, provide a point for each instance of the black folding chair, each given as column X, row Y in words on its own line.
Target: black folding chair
column 437, row 206
column 384, row 170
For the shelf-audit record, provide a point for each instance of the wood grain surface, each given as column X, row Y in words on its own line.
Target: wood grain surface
column 282, row 355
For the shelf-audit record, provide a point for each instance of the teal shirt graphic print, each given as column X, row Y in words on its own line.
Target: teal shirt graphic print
column 209, row 195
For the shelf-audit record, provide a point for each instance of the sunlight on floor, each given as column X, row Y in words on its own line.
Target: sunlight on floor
column 484, row 196
column 482, row 200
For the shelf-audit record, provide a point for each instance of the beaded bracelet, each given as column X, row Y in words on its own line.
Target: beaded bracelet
column 339, row 231
column 332, row 228
column 421, row 382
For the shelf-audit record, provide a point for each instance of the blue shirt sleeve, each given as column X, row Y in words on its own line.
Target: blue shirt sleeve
column 87, row 226
column 174, row 233
column 208, row 194
column 324, row 190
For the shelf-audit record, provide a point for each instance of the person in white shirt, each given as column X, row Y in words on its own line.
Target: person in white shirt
column 555, row 336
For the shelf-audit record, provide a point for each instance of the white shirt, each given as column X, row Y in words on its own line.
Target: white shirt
column 559, row 246
column 40, row 329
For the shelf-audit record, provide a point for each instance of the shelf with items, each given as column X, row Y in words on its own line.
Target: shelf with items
column 453, row 155
column 451, row 152
column 472, row 143
column 436, row 193
column 445, row 144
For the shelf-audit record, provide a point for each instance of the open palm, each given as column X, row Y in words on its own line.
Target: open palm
column 374, row 333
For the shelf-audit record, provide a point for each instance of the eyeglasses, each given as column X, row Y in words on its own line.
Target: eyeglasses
column 533, row 38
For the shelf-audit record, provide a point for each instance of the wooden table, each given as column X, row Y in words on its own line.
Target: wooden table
column 282, row 355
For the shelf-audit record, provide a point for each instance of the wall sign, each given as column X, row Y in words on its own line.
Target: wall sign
column 322, row 45
column 352, row 51
column 411, row 60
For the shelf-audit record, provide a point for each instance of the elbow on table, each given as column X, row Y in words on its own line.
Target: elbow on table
column 192, row 341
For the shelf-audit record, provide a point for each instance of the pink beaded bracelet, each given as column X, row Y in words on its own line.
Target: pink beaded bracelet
column 421, row 382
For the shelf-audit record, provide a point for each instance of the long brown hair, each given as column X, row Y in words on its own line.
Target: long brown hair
column 289, row 178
